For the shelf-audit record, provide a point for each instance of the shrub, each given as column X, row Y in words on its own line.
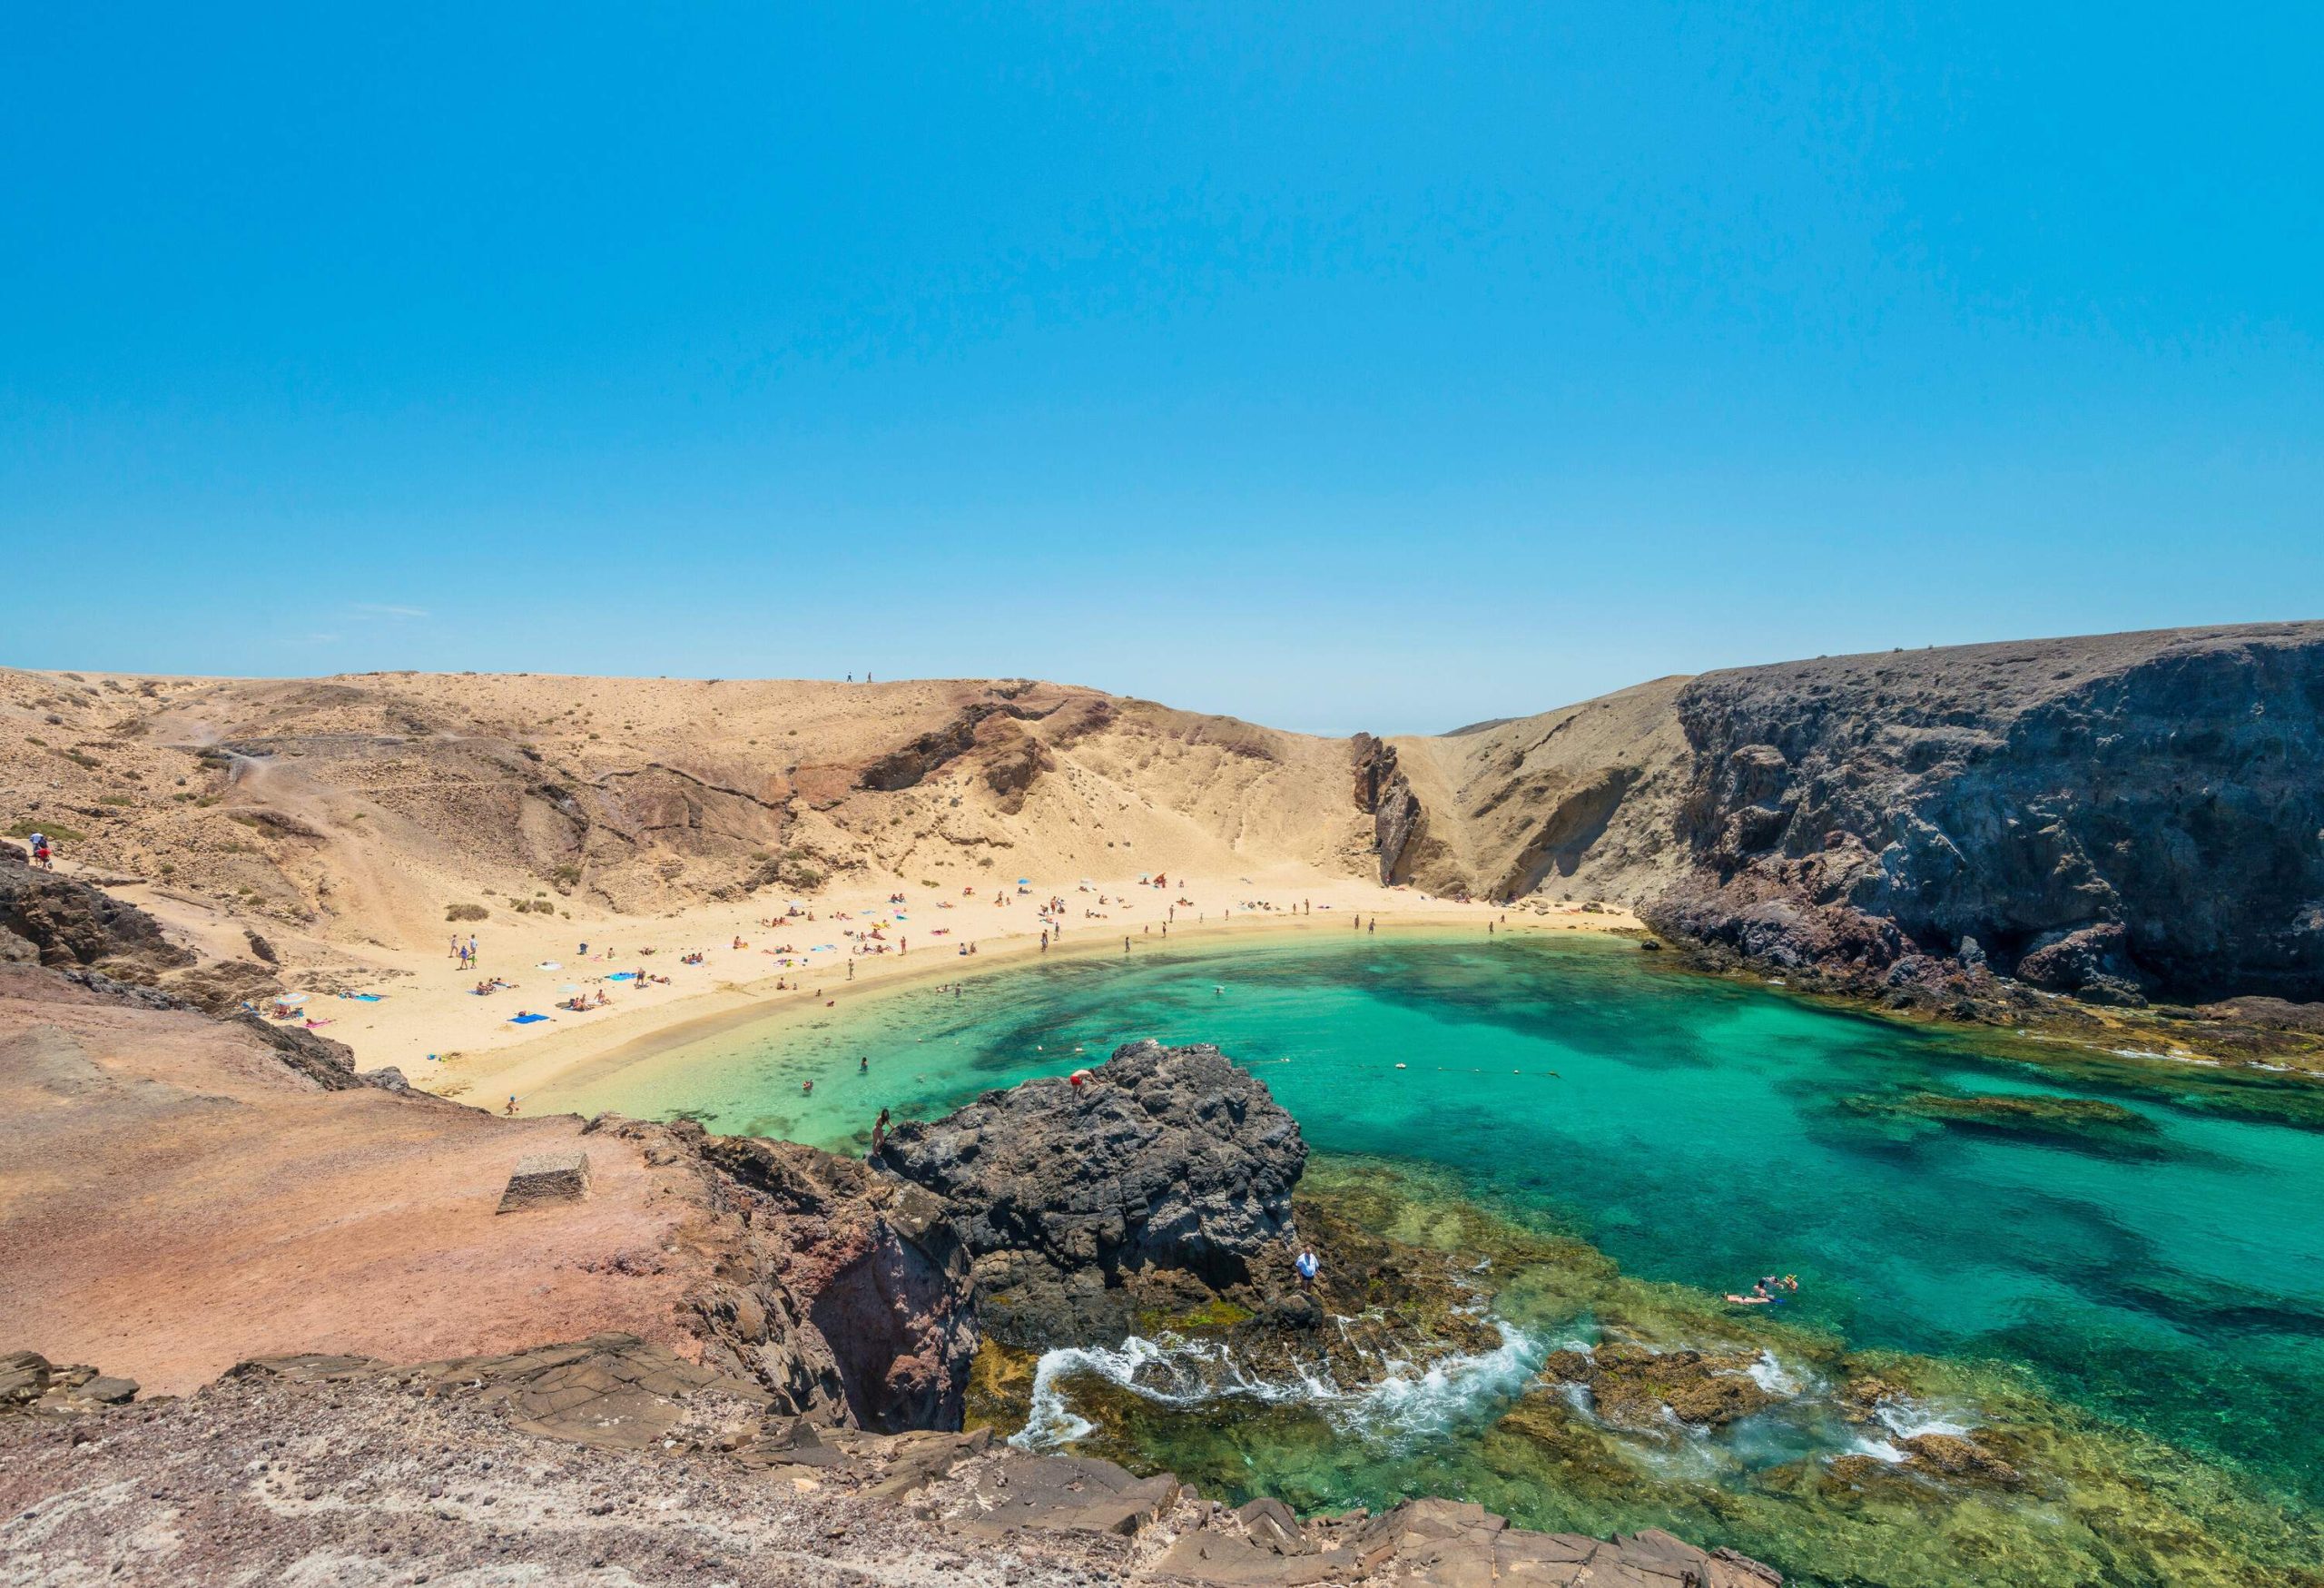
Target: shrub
column 466, row 913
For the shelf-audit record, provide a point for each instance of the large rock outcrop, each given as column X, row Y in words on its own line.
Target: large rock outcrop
column 1162, row 1182
column 63, row 923
column 845, row 1292
column 2106, row 817
column 2113, row 817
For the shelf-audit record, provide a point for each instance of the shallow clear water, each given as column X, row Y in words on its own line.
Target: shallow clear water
column 2163, row 1273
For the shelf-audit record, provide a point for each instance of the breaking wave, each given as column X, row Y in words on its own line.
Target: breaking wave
column 1904, row 1419
column 1408, row 1399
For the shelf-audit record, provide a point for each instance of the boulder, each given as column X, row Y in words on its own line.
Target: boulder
column 1965, row 1458
column 1163, row 1181
column 544, row 1178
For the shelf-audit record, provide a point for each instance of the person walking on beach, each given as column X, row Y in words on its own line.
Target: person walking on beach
column 1125, row 947
column 511, row 1109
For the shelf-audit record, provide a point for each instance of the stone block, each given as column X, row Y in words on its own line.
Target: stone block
column 543, row 1178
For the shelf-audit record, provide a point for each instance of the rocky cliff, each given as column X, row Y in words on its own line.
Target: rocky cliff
column 1162, row 1182
column 844, row 1292
column 2116, row 818
column 2109, row 818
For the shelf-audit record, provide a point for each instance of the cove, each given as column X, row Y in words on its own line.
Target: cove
column 2130, row 1247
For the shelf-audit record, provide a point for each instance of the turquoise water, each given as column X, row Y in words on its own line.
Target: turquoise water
column 2160, row 1274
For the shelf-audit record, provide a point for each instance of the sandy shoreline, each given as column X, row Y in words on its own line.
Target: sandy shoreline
column 429, row 1024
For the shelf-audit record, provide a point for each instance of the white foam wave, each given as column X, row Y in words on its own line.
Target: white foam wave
column 1770, row 1374
column 1408, row 1398
column 1903, row 1419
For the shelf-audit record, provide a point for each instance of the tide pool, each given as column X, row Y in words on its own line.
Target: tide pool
column 2145, row 1257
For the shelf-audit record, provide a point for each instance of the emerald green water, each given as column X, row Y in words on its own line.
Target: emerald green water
column 2147, row 1293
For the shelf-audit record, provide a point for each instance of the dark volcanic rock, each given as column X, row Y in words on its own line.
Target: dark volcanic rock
column 1384, row 794
column 70, row 924
column 1163, row 1182
column 845, row 1292
column 2101, row 816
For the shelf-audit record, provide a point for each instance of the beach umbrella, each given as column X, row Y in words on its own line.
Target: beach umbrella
column 1024, row 881
column 292, row 998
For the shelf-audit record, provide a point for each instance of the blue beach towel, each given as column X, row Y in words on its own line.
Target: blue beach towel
column 622, row 976
column 367, row 997
column 525, row 1019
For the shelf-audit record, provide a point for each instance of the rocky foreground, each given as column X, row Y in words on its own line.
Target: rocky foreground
column 610, row 1461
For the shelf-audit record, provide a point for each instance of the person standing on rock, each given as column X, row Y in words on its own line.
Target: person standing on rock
column 1307, row 1265
column 879, row 1132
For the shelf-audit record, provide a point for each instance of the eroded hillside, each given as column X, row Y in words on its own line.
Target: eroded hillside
column 361, row 806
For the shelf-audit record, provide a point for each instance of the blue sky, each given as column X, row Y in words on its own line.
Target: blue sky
column 1337, row 366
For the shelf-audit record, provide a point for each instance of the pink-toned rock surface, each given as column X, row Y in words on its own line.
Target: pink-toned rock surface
column 175, row 1198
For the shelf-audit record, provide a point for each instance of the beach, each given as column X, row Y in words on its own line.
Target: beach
column 430, row 1022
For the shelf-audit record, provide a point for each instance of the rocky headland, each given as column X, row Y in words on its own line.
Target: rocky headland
column 2116, row 818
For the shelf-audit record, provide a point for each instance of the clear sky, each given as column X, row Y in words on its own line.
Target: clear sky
column 1337, row 366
